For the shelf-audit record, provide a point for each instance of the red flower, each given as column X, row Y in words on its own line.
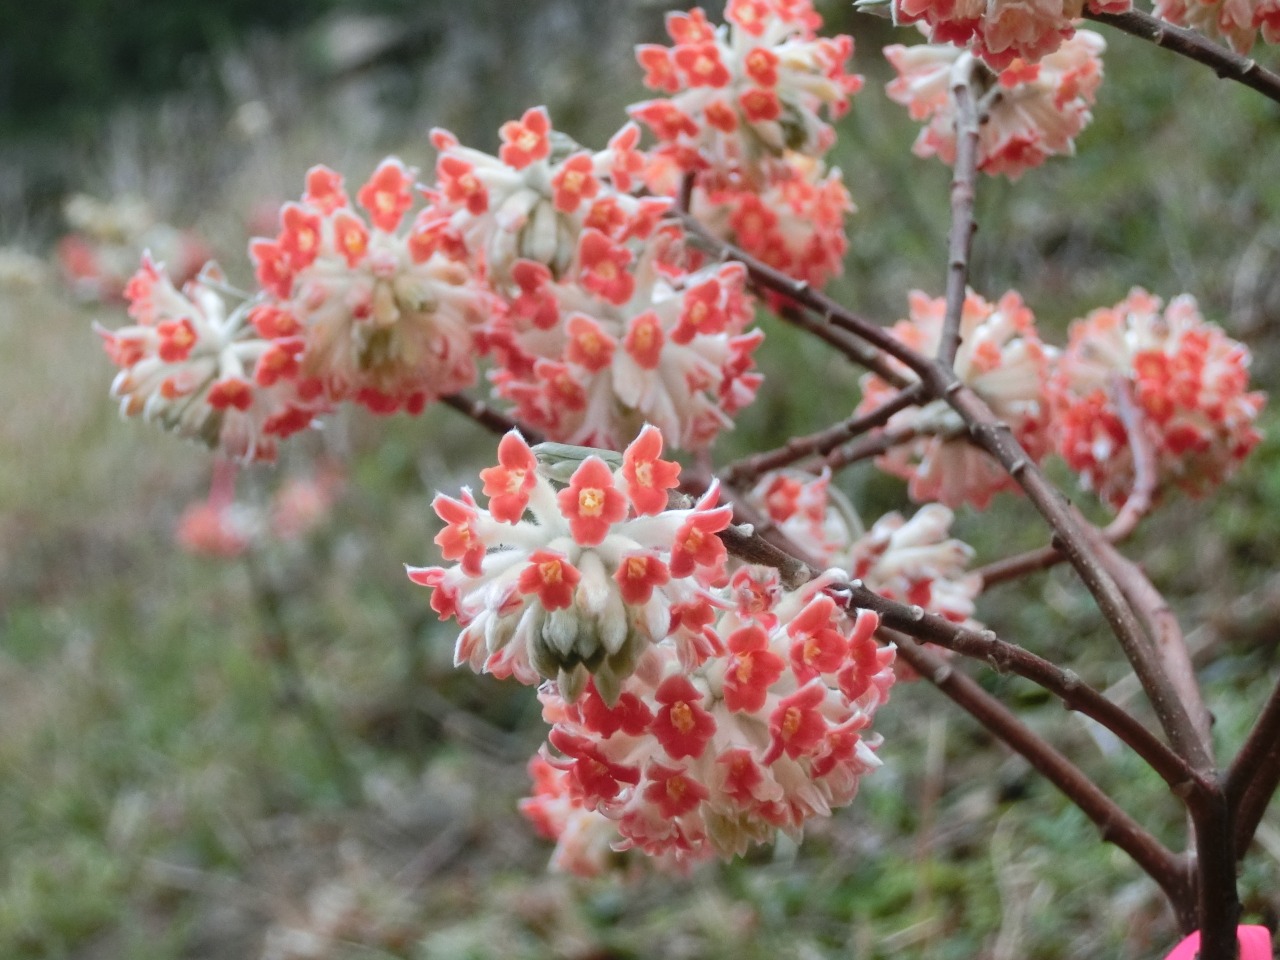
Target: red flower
column 648, row 478
column 525, row 140
column 682, row 726
column 589, row 346
column 796, row 725
column 752, row 669
column 644, row 340
column 591, row 503
column 674, row 793
column 324, row 190
column 696, row 542
column 574, row 182
column 552, row 577
column 701, row 313
column 603, row 267
column 507, row 485
column 459, row 540
column 638, row 574
column 387, row 195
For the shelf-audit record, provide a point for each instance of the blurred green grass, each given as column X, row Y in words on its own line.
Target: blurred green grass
column 163, row 795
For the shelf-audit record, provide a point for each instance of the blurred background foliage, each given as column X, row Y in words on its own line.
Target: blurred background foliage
column 273, row 757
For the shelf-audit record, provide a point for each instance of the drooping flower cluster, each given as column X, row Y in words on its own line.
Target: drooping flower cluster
column 599, row 572
column 1002, row 359
column 207, row 373
column 693, row 711
column 1002, row 31
column 385, row 313
column 1186, row 381
column 695, row 763
column 608, row 322
column 1031, row 112
column 744, row 122
column 744, row 93
column 1237, row 21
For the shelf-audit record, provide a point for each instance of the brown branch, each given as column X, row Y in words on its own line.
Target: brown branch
column 1188, row 43
column 1116, row 826
column 1165, row 633
column 853, row 349
column 984, row 645
column 1255, row 774
column 996, row 437
column 798, row 290
column 866, row 447
column 1136, row 506
column 963, row 226
column 489, row 418
column 748, row 469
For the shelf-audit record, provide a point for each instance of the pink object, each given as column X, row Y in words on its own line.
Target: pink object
column 1255, row 944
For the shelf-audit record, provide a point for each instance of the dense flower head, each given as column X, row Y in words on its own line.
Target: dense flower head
column 205, row 372
column 1003, row 360
column 631, row 333
column 1237, row 21
column 534, row 200
column 743, row 93
column 386, row 314
column 1186, row 380
column 692, row 763
column 1002, row 31
column 1032, row 110
column 599, row 571
column 792, row 220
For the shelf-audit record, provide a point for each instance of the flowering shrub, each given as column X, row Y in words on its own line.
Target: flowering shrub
column 710, row 646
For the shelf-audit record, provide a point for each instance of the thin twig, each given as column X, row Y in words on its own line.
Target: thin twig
column 492, row 420
column 865, row 447
column 798, row 290
column 1165, row 632
column 745, row 471
column 854, row 350
column 1136, row 506
column 1188, row 43
column 1070, row 537
column 963, row 184
column 1255, row 773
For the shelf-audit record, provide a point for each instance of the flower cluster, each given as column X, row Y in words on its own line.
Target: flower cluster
column 690, row 764
column 695, row 712
column 384, row 314
column 607, row 321
column 743, row 122
column 1032, row 111
column 1002, row 31
column 1238, row 21
column 794, row 222
column 599, row 572
column 1186, row 381
column 1003, row 360
column 744, row 93
column 205, row 372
